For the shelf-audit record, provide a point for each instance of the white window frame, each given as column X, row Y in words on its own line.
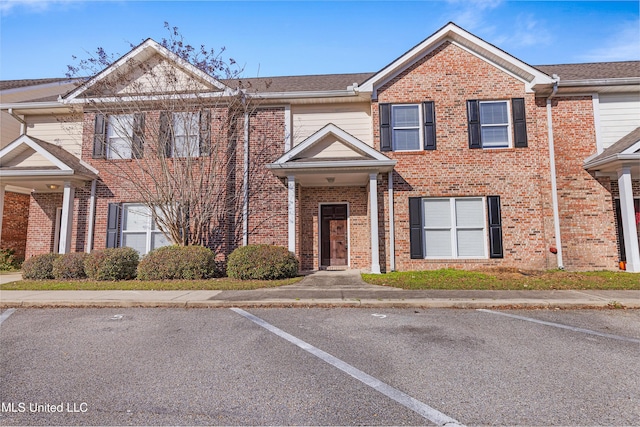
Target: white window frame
column 149, row 229
column 116, row 130
column 187, row 136
column 508, row 124
column 453, row 228
column 420, row 127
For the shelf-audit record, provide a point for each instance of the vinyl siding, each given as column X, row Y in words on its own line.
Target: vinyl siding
column 619, row 115
column 57, row 130
column 352, row 118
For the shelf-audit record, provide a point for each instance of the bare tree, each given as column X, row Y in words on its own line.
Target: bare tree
column 174, row 138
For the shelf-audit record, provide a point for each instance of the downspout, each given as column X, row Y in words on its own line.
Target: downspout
column 23, row 124
column 92, row 214
column 554, row 185
column 392, row 227
column 245, row 181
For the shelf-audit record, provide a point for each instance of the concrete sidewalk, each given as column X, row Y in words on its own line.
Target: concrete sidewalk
column 324, row 289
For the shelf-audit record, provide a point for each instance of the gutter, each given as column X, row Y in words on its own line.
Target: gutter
column 23, row 124
column 245, row 182
column 554, row 184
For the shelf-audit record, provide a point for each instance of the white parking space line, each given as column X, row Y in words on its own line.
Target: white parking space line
column 402, row 398
column 559, row 325
column 4, row 316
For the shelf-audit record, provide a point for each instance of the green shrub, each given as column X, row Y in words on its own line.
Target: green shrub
column 178, row 262
column 70, row 266
column 112, row 264
column 262, row 262
column 8, row 261
column 39, row 267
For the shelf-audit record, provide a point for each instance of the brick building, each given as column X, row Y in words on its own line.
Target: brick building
column 456, row 154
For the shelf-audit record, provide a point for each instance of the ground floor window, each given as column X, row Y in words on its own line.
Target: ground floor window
column 454, row 228
column 139, row 229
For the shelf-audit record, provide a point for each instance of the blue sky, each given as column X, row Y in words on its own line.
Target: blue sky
column 39, row 37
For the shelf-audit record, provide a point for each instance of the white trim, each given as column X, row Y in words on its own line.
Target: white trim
column 320, row 204
column 596, row 122
column 392, row 226
column 287, row 128
column 373, row 208
column 291, row 213
column 245, row 182
column 66, row 224
column 56, row 231
column 24, row 139
column 92, row 216
column 629, row 228
column 554, row 187
column 2, row 191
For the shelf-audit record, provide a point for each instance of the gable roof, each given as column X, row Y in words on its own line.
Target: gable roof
column 139, row 54
column 627, row 149
column 462, row 38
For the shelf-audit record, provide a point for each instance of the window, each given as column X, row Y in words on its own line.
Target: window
column 491, row 125
column 494, row 122
column 453, row 228
column 407, row 127
column 186, row 134
column 118, row 136
column 139, row 229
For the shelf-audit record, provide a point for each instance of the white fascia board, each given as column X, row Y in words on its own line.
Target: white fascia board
column 36, row 172
column 355, row 166
column 207, row 95
column 24, row 139
column 631, row 81
column 635, row 157
column 88, row 166
column 148, row 44
column 31, row 105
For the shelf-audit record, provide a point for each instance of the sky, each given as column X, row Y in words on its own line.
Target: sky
column 39, row 38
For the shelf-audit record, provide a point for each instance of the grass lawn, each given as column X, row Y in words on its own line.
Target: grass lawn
column 223, row 284
column 505, row 279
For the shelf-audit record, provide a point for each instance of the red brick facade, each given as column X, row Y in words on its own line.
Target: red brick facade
column 15, row 219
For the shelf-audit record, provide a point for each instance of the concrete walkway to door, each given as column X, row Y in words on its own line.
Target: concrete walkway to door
column 333, row 280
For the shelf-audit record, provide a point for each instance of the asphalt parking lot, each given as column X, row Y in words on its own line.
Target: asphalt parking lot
column 319, row 367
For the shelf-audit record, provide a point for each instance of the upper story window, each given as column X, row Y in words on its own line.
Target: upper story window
column 118, row 136
column 186, row 134
column 405, row 120
column 491, row 125
column 407, row 127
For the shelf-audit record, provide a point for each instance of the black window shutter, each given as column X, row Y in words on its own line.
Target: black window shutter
column 495, row 227
column 429, row 114
column 205, row 132
column 415, row 227
column 99, row 137
column 113, row 222
column 385, row 127
column 165, row 143
column 519, row 123
column 138, row 136
column 473, row 117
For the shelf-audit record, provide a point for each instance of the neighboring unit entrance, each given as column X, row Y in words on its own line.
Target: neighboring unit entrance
column 333, row 236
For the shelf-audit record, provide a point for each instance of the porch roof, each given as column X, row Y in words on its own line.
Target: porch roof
column 331, row 157
column 624, row 153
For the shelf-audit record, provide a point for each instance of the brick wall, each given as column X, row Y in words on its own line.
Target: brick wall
column 358, row 224
column 450, row 76
column 587, row 220
column 42, row 218
column 15, row 220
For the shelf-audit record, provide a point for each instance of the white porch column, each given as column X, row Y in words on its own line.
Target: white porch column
column 373, row 205
column 66, row 221
column 291, row 209
column 2, row 187
column 629, row 228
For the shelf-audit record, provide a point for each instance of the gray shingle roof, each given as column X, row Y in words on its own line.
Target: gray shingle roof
column 593, row 70
column 311, row 83
column 625, row 142
column 15, row 84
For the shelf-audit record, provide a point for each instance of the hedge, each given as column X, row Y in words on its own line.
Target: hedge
column 262, row 262
column 178, row 262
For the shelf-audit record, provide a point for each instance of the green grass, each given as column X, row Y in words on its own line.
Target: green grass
column 223, row 284
column 505, row 280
